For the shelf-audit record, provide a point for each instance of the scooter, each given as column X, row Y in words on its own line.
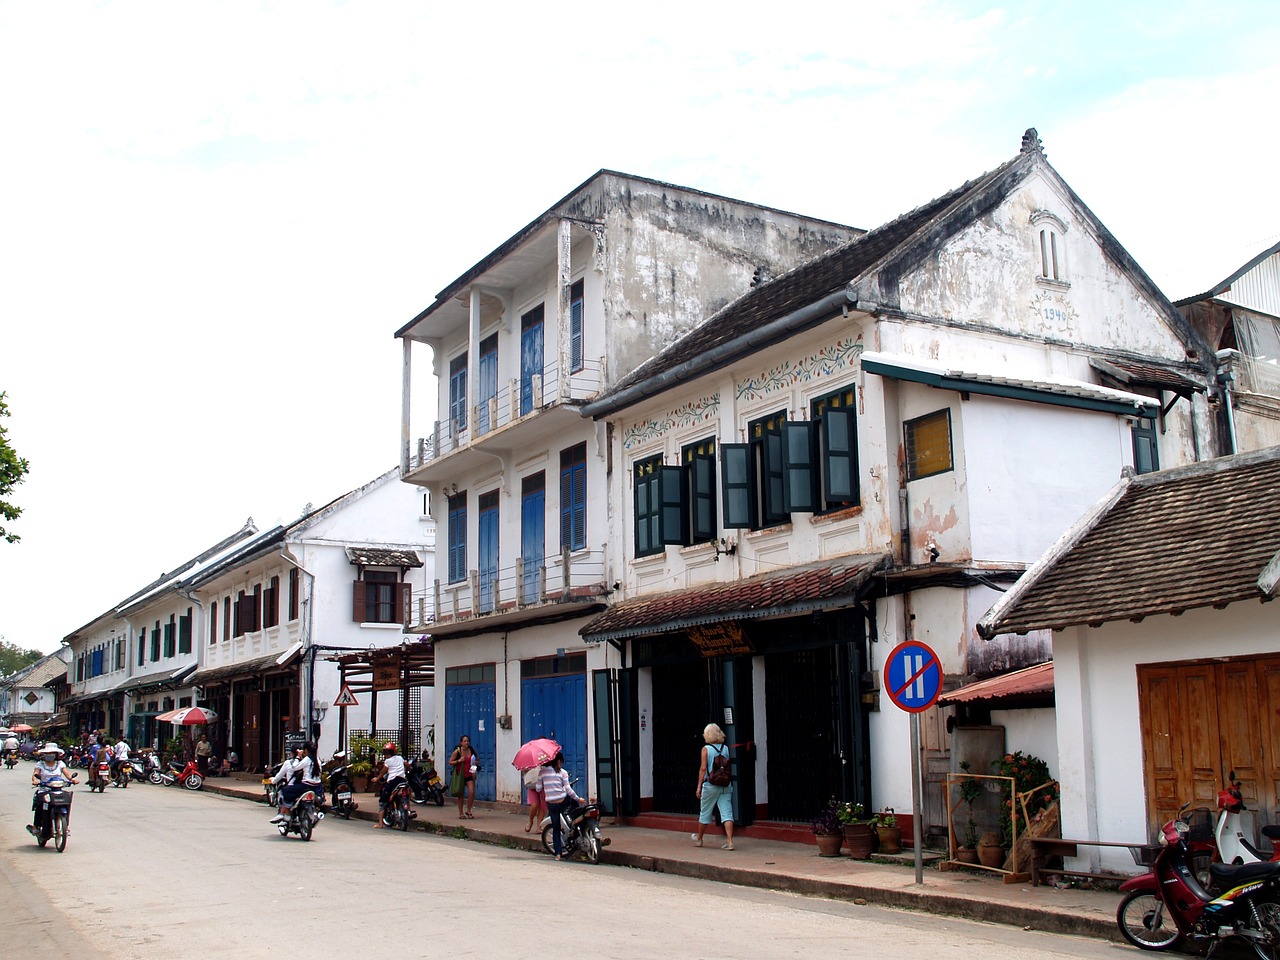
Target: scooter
column 579, row 832
column 188, row 776
column 1168, row 905
column 1233, row 846
column 154, row 772
column 100, row 773
column 53, row 806
column 270, row 787
column 120, row 776
column 397, row 812
column 137, row 769
column 424, row 782
column 303, row 817
column 340, row 786
column 11, row 759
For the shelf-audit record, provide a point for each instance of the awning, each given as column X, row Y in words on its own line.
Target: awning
column 1028, row 687
column 1133, row 373
column 369, row 557
column 1058, row 391
column 828, row 585
column 158, row 678
column 56, row 722
column 246, row 668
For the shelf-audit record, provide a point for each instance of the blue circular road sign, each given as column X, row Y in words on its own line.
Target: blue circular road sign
column 913, row 676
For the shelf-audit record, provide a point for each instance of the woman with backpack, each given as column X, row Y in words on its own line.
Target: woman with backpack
column 715, row 789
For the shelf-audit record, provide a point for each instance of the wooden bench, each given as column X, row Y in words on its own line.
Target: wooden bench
column 1042, row 848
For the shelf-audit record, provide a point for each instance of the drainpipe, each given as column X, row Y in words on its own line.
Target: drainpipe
column 1225, row 379
column 308, row 592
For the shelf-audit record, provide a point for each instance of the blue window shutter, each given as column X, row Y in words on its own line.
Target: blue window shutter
column 458, row 393
column 674, row 507
column 736, row 481
column 799, row 494
column 840, row 456
column 575, row 326
column 573, row 505
column 457, row 538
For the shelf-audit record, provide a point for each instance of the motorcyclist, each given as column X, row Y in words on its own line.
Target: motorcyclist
column 49, row 767
column 391, row 774
column 119, row 754
column 298, row 775
column 10, row 746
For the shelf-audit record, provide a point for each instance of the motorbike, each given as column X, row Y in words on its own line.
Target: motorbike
column 424, row 783
column 303, row 817
column 154, row 772
column 1233, row 846
column 137, row 769
column 53, row 799
column 11, row 759
column 120, row 776
column 100, row 773
column 579, row 832
column 340, row 786
column 1162, row 908
column 188, row 776
column 397, row 812
column 270, row 787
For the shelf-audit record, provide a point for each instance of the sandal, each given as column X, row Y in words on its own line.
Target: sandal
column 726, row 846
column 697, row 840
column 528, row 828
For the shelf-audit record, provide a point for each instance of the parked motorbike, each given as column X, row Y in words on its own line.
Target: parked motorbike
column 137, row 769
column 303, row 817
column 53, row 805
column 579, row 832
column 397, row 812
column 1233, row 846
column 1162, row 908
column 188, row 776
column 424, row 783
column 154, row 772
column 100, row 773
column 340, row 786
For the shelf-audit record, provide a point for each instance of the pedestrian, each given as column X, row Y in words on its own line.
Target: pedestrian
column 465, row 765
column 713, row 797
column 204, row 750
column 533, row 797
column 556, row 792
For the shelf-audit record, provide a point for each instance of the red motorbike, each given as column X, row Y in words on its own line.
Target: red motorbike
column 1162, row 908
column 188, row 776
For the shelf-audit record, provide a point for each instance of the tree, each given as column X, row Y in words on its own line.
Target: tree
column 12, row 470
column 13, row 657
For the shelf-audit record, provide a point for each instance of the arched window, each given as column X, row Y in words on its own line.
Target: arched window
column 1049, row 232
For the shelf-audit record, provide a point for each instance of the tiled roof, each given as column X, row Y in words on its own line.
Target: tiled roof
column 369, row 557
column 1140, row 373
column 824, row 585
column 1161, row 543
column 1029, row 683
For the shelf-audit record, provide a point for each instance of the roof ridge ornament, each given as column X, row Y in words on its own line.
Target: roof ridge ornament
column 1031, row 142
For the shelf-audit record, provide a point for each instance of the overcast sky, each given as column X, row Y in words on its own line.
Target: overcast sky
column 215, row 215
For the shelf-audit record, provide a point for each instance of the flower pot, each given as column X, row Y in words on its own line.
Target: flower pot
column 966, row 855
column 860, row 839
column 890, row 839
column 991, row 855
column 829, row 844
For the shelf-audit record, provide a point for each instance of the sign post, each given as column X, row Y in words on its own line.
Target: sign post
column 913, row 680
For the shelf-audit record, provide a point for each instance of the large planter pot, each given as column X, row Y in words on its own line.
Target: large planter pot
column 991, row 855
column 890, row 839
column 860, row 839
column 966, row 855
column 829, row 844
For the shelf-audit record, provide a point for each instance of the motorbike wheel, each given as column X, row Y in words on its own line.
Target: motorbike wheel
column 44, row 833
column 304, row 824
column 1265, row 917
column 404, row 816
column 61, row 822
column 343, row 809
column 193, row 782
column 591, row 847
column 548, row 843
column 437, row 795
column 1145, row 923
column 154, row 777
column 389, row 817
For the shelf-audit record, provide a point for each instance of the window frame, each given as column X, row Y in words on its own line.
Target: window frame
column 698, row 460
column 837, row 418
column 911, row 462
column 647, row 506
column 1145, row 434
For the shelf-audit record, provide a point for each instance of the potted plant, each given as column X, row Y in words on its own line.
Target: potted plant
column 858, row 835
column 991, row 850
column 828, row 830
column 885, row 824
column 970, row 791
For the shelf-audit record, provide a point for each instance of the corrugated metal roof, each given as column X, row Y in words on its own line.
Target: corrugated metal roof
column 1025, row 684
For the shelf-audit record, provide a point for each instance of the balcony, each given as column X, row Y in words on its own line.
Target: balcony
column 1252, row 375
column 572, row 584
column 498, row 427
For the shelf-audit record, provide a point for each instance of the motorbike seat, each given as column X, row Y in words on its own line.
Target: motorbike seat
column 1228, row 873
column 1271, row 832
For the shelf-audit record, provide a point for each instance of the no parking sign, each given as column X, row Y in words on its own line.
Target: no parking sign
column 913, row 676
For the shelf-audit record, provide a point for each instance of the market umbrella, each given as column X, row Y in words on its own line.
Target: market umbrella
column 21, row 728
column 535, row 753
column 188, row 716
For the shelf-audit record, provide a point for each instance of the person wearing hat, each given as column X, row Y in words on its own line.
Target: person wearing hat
column 391, row 774
column 288, row 773
column 49, row 767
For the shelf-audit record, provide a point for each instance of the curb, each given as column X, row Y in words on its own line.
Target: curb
column 940, row 904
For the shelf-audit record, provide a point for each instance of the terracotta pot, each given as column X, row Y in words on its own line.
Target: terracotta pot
column 829, row 844
column 966, row 855
column 991, row 855
column 860, row 839
column 890, row 839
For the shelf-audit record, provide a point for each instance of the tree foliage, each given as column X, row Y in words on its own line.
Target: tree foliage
column 13, row 657
column 13, row 469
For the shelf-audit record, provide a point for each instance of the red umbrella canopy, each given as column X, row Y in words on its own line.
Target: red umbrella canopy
column 535, row 753
column 21, row 728
column 189, row 716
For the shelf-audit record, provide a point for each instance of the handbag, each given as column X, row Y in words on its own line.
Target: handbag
column 455, row 783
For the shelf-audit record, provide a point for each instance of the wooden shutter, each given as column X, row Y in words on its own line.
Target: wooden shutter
column 702, row 510
column 404, row 602
column 674, row 506
column 736, row 481
column 799, row 493
column 358, row 595
column 646, row 508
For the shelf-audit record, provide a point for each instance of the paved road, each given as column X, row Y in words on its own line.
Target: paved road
column 193, row 874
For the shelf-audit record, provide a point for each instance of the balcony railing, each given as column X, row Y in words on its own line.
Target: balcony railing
column 513, row 401
column 579, row 575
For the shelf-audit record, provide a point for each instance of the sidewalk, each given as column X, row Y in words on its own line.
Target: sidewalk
column 777, row 865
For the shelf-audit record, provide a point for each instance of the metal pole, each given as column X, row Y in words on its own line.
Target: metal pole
column 916, row 813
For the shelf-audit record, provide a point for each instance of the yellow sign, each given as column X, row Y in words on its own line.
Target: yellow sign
column 720, row 639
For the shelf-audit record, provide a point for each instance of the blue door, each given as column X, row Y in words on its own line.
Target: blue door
column 468, row 709
column 488, row 568
column 556, row 707
column 488, row 382
column 533, row 508
column 530, row 355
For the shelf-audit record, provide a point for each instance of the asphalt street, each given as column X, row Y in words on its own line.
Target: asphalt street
column 152, row 872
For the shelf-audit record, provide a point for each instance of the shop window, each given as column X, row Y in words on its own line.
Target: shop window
column 928, row 441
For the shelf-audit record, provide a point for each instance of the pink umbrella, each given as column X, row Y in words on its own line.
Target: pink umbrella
column 188, row 716
column 535, row 753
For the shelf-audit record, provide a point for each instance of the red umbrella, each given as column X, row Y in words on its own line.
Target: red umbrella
column 188, row 716
column 21, row 728
column 535, row 753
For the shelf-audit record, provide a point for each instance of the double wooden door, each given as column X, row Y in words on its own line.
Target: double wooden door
column 1202, row 720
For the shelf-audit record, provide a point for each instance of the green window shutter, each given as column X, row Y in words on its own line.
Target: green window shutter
column 739, row 492
column 648, row 510
column 774, row 475
column 800, row 491
column 840, row 456
column 702, row 472
column 674, row 507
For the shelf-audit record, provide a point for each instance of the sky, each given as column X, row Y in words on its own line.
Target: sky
column 215, row 215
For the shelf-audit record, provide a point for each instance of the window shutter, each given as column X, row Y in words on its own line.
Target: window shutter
column 674, row 506
column 798, row 494
column 735, row 479
column 646, row 513
column 357, row 602
column 702, row 511
column 840, row 455
column 404, row 602
column 184, row 634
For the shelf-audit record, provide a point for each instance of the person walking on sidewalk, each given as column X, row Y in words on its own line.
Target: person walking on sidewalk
column 714, row 796
column 465, row 764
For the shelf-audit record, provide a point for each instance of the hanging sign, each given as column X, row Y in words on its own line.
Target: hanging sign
column 720, row 639
column 386, row 676
column 346, row 698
